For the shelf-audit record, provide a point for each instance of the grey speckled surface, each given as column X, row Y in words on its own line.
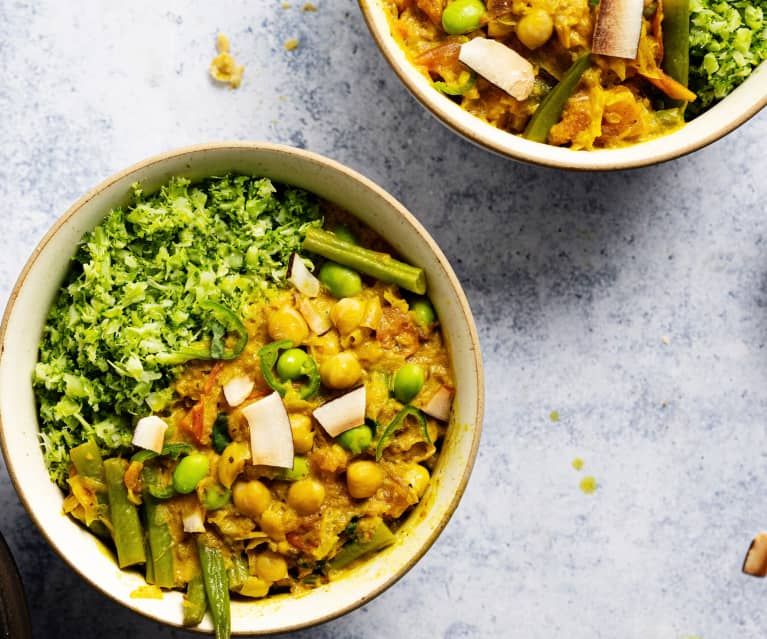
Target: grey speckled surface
column 633, row 304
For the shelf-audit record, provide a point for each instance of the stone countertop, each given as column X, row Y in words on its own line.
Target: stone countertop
column 623, row 318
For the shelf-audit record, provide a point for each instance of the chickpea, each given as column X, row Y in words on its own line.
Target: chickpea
column 363, row 479
column 340, row 371
column 251, row 498
column 305, row 496
column 272, row 522
column 417, row 477
column 303, row 433
column 535, row 28
column 270, row 566
column 287, row 323
column 347, row 314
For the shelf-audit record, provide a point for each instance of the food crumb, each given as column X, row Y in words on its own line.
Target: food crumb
column 666, row 340
column 291, row 44
column 146, row 592
column 224, row 68
column 554, row 416
column 286, row 5
column 578, row 463
column 589, row 485
column 309, row 7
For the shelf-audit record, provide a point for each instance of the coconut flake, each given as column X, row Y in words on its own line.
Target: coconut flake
column 319, row 322
column 618, row 27
column 342, row 413
column 150, row 433
column 302, row 278
column 236, row 390
column 500, row 65
column 439, row 404
column 193, row 522
column 271, row 439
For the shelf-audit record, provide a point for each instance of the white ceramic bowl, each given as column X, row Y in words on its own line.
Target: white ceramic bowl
column 739, row 106
column 26, row 312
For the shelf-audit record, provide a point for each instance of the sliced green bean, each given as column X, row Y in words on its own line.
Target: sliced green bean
column 195, row 604
column 352, row 551
column 216, row 583
column 550, row 109
column 160, row 543
column 127, row 533
column 237, row 572
column 381, row 266
column 676, row 42
column 88, row 463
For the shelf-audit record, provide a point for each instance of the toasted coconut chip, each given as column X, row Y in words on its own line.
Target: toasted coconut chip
column 193, row 522
column 500, row 65
column 618, row 27
column 150, row 433
column 302, row 278
column 271, row 439
column 317, row 321
column 236, row 390
column 342, row 413
column 440, row 403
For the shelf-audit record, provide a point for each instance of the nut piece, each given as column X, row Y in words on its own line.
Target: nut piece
column 756, row 559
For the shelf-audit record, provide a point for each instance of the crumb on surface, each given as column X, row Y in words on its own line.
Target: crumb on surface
column 286, row 5
column 577, row 463
column 309, row 7
column 554, row 416
column 589, row 485
column 291, row 44
column 224, row 68
column 666, row 340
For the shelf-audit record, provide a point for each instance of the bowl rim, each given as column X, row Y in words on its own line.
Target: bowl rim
column 369, row 186
column 514, row 147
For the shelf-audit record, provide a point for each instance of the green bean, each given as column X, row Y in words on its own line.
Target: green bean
column 216, row 583
column 380, row 538
column 550, row 110
column 126, row 528
column 408, row 382
column 340, row 280
column 381, row 266
column 237, row 573
column 356, row 439
column 88, row 463
column 160, row 543
column 195, row 603
column 189, row 472
column 463, row 16
column 676, row 42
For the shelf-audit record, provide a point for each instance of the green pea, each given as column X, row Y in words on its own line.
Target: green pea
column 340, row 280
column 190, row 470
column 463, row 16
column 299, row 471
column 408, row 381
column 291, row 363
column 356, row 439
column 343, row 232
column 423, row 311
column 217, row 496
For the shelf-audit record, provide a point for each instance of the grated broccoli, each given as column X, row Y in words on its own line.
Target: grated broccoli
column 728, row 40
column 133, row 297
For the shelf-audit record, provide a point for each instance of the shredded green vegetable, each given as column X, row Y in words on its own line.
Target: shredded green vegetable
column 136, row 295
column 728, row 40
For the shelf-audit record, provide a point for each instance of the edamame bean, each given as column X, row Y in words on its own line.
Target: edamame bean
column 463, row 16
column 291, row 362
column 357, row 439
column 408, row 381
column 343, row 232
column 190, row 470
column 423, row 311
column 340, row 280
